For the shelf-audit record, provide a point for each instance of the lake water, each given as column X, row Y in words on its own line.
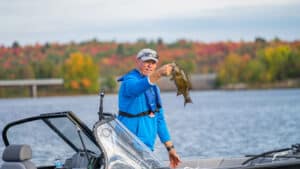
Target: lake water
column 218, row 123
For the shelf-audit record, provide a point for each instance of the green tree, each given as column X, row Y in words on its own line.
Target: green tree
column 253, row 72
column 15, row 44
column 120, row 50
column 293, row 67
column 276, row 60
column 25, row 72
column 109, row 83
column 45, row 69
column 231, row 70
column 160, row 41
column 188, row 65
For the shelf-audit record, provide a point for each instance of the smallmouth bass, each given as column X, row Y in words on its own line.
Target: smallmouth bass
column 182, row 82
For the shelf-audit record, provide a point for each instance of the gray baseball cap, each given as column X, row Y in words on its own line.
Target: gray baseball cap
column 147, row 54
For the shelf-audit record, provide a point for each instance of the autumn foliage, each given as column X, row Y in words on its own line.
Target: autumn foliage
column 273, row 63
column 80, row 73
column 83, row 64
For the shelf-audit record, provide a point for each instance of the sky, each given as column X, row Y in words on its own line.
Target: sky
column 39, row 21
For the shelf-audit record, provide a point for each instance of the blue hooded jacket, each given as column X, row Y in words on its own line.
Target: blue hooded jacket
column 133, row 100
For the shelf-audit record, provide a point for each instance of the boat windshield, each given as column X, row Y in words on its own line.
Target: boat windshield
column 123, row 149
column 71, row 131
column 51, row 138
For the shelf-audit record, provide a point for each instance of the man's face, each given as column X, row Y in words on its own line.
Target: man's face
column 146, row 67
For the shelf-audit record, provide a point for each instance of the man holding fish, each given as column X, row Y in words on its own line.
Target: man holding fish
column 140, row 107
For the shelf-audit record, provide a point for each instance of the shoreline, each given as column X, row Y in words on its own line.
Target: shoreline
column 163, row 91
column 199, row 83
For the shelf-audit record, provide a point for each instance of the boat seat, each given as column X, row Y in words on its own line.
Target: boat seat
column 17, row 157
column 78, row 160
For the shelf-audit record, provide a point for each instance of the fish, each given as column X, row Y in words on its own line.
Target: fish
column 182, row 82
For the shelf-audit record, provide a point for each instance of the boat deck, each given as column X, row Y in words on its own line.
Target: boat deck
column 194, row 162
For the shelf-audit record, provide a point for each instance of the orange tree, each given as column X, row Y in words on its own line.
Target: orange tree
column 80, row 73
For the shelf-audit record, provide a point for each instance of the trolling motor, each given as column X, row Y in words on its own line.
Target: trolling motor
column 100, row 113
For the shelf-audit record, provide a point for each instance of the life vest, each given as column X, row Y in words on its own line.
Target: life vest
column 153, row 102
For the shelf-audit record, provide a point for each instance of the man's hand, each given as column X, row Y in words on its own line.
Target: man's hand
column 164, row 70
column 174, row 158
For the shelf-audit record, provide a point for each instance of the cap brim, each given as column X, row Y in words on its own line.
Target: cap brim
column 145, row 58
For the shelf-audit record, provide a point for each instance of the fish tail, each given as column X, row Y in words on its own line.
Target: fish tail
column 187, row 100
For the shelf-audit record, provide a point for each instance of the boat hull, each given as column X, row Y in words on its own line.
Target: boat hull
column 234, row 163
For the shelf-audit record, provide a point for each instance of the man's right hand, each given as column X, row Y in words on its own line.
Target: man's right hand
column 164, row 70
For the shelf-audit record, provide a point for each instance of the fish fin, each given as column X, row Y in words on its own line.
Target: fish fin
column 189, row 81
column 179, row 93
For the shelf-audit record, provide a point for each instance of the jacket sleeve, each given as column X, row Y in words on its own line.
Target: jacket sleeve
column 134, row 86
column 162, row 128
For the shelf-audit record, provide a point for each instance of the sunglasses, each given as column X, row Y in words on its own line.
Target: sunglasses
column 149, row 54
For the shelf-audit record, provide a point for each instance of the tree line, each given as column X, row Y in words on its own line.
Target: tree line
column 81, row 65
column 270, row 64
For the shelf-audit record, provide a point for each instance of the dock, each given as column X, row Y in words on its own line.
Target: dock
column 32, row 83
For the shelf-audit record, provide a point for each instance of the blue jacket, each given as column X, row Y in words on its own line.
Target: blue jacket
column 132, row 100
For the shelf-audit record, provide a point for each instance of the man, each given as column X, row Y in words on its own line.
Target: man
column 140, row 108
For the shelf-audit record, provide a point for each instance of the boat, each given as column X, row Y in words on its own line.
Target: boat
column 62, row 140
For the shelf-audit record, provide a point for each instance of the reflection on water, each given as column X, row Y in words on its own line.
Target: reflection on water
column 218, row 123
